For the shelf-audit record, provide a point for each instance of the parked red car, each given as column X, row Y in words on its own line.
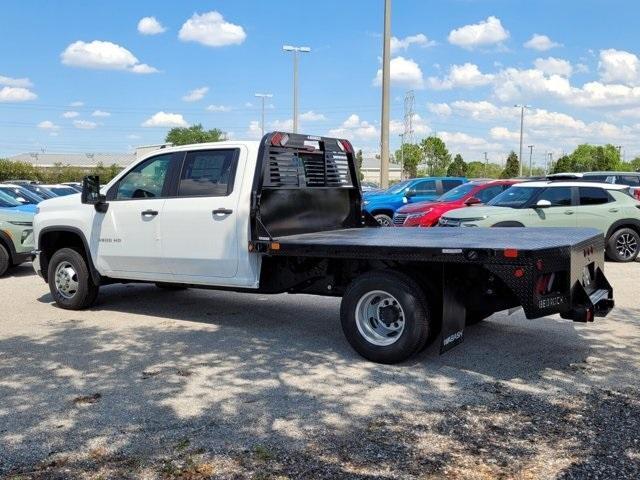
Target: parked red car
column 427, row 214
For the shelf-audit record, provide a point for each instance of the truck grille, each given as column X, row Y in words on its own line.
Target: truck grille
column 399, row 218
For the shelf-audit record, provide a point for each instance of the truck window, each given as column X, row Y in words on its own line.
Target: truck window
column 426, row 187
column 449, row 184
column 631, row 180
column 208, row 173
column 488, row 193
column 558, row 196
column 145, row 180
column 593, row 196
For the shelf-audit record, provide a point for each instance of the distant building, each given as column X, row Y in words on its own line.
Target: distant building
column 85, row 160
column 371, row 170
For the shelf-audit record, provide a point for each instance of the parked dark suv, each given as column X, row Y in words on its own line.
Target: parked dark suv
column 631, row 179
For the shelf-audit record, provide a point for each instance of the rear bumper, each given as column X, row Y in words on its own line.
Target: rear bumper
column 586, row 306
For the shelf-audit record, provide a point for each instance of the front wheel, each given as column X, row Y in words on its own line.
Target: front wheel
column 70, row 280
column 384, row 220
column 5, row 260
column 385, row 316
column 623, row 245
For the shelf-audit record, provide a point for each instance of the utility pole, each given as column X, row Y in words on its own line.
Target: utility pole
column 619, row 148
column 295, row 50
column 522, row 108
column 531, row 160
column 263, row 96
column 386, row 81
column 486, row 164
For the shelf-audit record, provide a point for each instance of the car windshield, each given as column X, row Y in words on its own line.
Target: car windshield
column 398, row 187
column 62, row 191
column 7, row 202
column 457, row 193
column 514, row 197
column 20, row 195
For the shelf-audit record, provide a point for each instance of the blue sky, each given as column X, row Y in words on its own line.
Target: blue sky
column 86, row 77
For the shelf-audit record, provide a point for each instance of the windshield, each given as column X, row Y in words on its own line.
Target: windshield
column 7, row 201
column 62, row 191
column 398, row 187
column 20, row 193
column 514, row 197
column 457, row 193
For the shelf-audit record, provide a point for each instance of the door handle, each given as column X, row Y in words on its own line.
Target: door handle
column 222, row 211
column 568, row 212
column 149, row 213
column 614, row 210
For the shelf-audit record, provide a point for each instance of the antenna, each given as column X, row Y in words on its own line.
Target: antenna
column 409, row 101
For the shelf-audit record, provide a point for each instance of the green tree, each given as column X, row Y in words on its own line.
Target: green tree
column 634, row 165
column 458, row 167
column 589, row 158
column 359, row 159
column 194, row 134
column 410, row 157
column 436, row 155
column 562, row 165
column 512, row 168
column 478, row 169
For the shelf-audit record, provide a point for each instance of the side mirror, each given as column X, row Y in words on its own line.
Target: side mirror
column 410, row 193
column 472, row 201
column 543, row 204
column 21, row 199
column 91, row 193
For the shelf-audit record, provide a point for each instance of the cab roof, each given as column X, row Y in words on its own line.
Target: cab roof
column 549, row 183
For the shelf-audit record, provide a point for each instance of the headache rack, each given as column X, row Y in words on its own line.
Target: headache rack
column 304, row 184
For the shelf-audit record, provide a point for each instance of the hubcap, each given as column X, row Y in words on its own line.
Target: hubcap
column 380, row 318
column 384, row 221
column 66, row 280
column 627, row 245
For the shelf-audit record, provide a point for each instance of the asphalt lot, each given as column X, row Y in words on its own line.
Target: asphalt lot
column 201, row 384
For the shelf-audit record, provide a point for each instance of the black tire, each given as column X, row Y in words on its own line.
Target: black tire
column 414, row 305
column 623, row 245
column 5, row 260
column 384, row 220
column 171, row 287
column 87, row 290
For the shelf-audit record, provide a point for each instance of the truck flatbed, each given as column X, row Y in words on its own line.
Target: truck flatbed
column 407, row 243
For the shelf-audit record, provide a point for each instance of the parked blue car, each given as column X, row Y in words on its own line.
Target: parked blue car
column 7, row 202
column 382, row 205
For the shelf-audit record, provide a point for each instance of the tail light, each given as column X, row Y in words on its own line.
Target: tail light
column 510, row 253
column 345, row 146
column 279, row 139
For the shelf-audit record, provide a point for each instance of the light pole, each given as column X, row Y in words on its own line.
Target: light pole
column 522, row 108
column 531, row 160
column 263, row 96
column 401, row 155
column 386, row 82
column 295, row 50
column 486, row 164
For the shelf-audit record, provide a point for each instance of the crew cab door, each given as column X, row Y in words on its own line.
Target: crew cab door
column 562, row 211
column 128, row 234
column 200, row 240
column 422, row 191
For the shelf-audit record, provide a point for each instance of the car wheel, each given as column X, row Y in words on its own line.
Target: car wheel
column 623, row 245
column 5, row 260
column 384, row 220
column 385, row 316
column 171, row 286
column 70, row 281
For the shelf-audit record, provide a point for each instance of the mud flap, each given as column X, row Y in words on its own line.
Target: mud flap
column 454, row 313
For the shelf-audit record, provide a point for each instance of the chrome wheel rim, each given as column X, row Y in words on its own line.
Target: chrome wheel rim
column 66, row 280
column 627, row 245
column 384, row 220
column 380, row 318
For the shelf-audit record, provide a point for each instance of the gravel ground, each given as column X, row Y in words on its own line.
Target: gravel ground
column 203, row 384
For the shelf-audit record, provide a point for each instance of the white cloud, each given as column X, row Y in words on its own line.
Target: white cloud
column 163, row 119
column 282, row 125
column 150, row 26
column 254, row 131
column 440, row 109
column 48, row 125
column 212, row 30
column 77, row 103
column 133, row 136
column 196, row 94
column 15, row 82
column 16, row 94
column 420, row 40
column 502, row 133
column 514, row 84
column 100, row 113
column 460, row 141
column 84, row 124
column 354, row 128
column 554, row 66
column 465, row 76
column 418, row 124
column 542, row 43
column 619, row 66
column 218, row 108
column 71, row 114
column 485, row 33
column 312, row 116
column 103, row 56
column 404, row 71
column 597, row 94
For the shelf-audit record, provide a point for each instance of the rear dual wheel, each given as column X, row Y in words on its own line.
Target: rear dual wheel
column 386, row 316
